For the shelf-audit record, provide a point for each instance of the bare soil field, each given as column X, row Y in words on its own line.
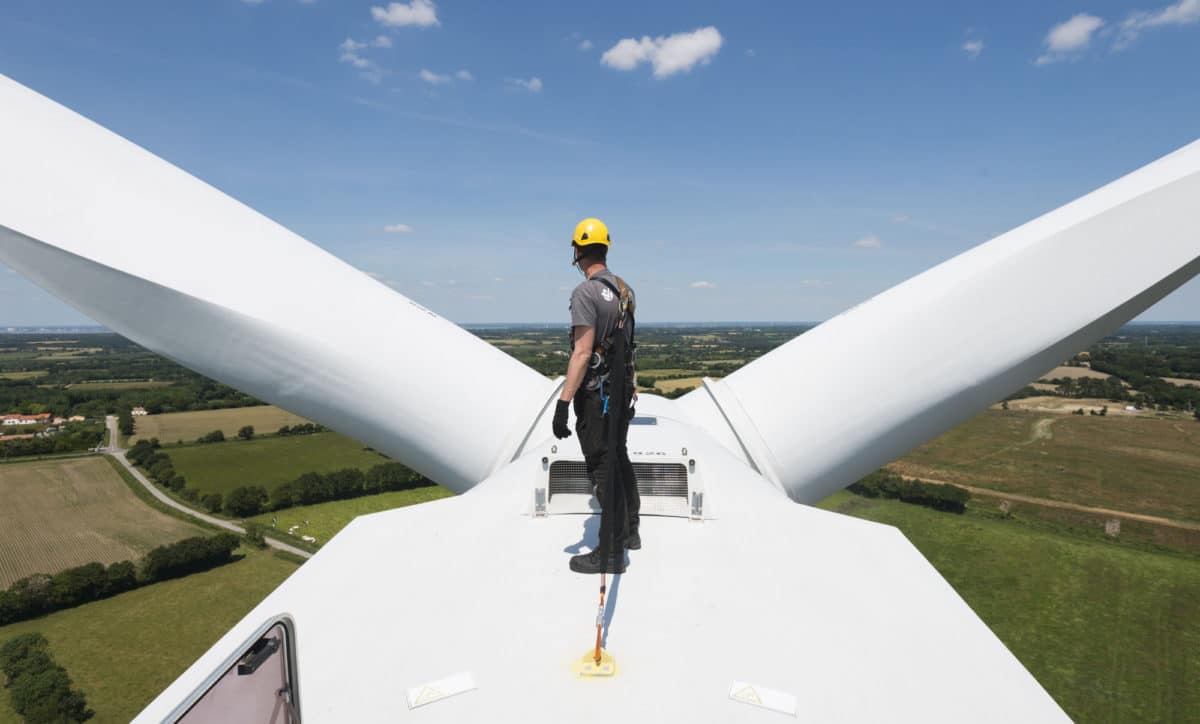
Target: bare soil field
column 1136, row 463
column 62, row 513
column 1066, row 405
column 188, row 426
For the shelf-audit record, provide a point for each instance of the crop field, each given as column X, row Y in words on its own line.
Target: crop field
column 124, row 650
column 672, row 385
column 221, row 467
column 1073, row 372
column 1134, row 463
column 661, row 373
column 22, row 375
column 1111, row 632
column 132, row 385
column 1182, row 381
column 62, row 513
column 326, row 519
column 187, row 426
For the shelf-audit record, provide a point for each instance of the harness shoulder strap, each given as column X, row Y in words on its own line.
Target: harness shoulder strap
column 621, row 289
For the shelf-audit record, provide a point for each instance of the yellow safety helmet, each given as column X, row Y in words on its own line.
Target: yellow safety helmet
column 591, row 231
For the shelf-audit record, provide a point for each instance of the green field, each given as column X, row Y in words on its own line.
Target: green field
column 1134, row 463
column 187, row 426
column 326, row 519
column 124, row 650
column 268, row 461
column 1111, row 632
column 55, row 514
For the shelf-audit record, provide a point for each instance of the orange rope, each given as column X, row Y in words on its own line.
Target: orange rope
column 600, row 617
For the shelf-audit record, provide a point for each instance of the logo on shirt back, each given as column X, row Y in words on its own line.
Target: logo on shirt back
column 607, row 294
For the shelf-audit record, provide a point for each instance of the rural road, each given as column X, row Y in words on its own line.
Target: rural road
column 988, row 492
column 115, row 450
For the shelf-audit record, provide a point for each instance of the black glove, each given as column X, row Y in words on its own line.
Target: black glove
column 561, row 431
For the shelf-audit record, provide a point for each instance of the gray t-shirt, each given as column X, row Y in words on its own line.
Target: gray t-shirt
column 594, row 305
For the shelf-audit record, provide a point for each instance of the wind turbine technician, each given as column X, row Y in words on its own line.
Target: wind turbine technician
column 601, row 382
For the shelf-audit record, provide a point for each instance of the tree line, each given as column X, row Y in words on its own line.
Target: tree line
column 886, row 484
column 39, row 688
column 309, row 488
column 41, row 593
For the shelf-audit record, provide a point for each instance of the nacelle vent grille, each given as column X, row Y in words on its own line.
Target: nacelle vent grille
column 662, row 479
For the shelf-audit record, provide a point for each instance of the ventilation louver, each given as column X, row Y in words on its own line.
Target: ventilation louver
column 661, row 479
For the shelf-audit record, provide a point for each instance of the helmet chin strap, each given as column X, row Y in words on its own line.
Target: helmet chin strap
column 575, row 251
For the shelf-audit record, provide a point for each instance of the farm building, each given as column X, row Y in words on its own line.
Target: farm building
column 15, row 418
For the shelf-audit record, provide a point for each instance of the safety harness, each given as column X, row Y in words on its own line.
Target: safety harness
column 615, row 344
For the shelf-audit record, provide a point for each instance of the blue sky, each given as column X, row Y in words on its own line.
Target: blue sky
column 754, row 160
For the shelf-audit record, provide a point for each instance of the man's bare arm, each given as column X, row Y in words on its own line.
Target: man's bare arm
column 585, row 338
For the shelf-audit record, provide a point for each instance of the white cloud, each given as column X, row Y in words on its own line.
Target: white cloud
column 420, row 13
column 351, row 54
column 398, row 228
column 1184, row 12
column 702, row 285
column 533, row 85
column 1068, row 39
column 973, row 48
column 869, row 242
column 585, row 44
column 751, row 52
column 668, row 55
column 433, row 78
column 900, row 219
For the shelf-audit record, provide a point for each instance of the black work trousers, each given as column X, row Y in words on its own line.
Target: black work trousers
column 620, row 518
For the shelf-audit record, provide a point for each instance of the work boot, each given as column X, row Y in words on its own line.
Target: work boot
column 634, row 541
column 590, row 563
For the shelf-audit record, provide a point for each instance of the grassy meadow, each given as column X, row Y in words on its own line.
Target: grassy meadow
column 326, row 519
column 1110, row 631
column 60, row 513
column 124, row 650
column 268, row 461
column 1139, row 464
column 187, row 426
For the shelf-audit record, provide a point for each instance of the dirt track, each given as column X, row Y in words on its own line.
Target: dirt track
column 987, row 492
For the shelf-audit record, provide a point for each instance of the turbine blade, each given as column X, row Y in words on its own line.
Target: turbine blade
column 897, row 370
column 188, row 272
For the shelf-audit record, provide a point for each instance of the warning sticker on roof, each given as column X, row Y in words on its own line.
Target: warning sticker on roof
column 440, row 689
column 761, row 696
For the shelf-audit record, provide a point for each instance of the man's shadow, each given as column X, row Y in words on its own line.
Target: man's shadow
column 590, row 537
